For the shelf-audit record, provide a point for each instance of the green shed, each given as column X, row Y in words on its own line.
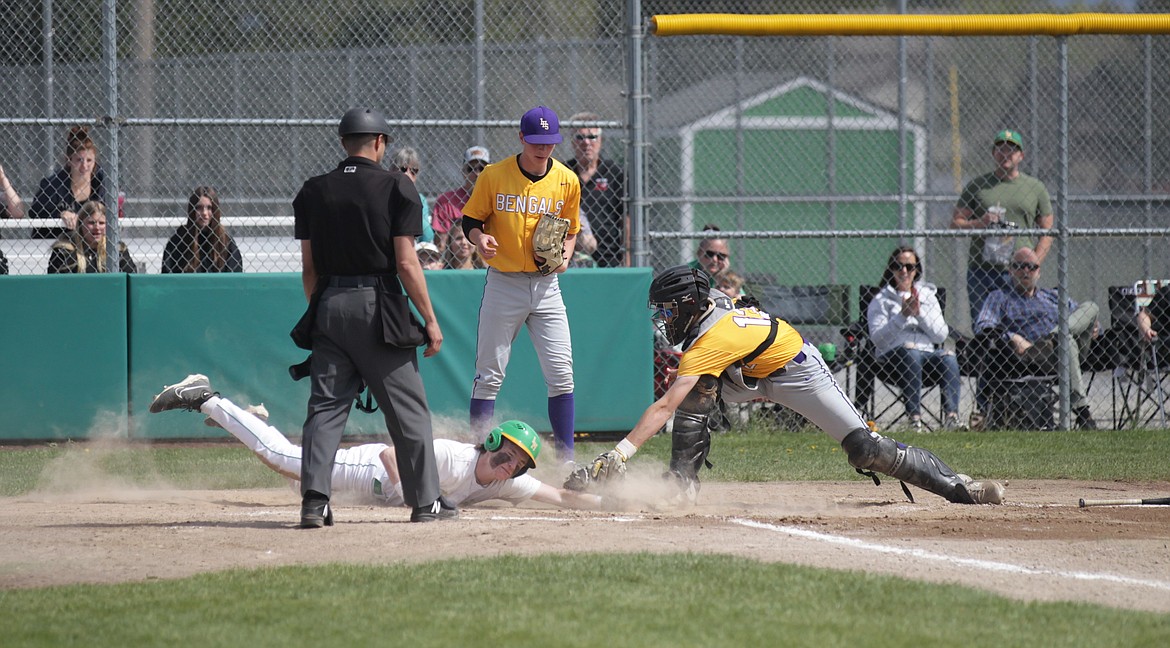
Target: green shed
column 801, row 156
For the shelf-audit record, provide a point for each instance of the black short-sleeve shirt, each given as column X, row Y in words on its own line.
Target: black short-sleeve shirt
column 352, row 214
column 602, row 202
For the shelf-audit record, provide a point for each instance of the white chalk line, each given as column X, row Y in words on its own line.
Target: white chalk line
column 975, row 563
column 547, row 518
column 987, row 565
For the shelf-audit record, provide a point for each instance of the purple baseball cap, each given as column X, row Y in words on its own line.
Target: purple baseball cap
column 540, row 126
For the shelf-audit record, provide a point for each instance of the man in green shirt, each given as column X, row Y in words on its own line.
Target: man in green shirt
column 1004, row 198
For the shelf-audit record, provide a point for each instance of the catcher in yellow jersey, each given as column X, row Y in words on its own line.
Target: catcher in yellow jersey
column 523, row 217
column 747, row 354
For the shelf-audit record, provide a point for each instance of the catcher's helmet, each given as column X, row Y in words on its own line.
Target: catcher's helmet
column 517, row 432
column 357, row 121
column 678, row 297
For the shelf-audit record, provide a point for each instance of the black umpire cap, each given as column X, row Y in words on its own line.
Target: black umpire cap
column 357, row 121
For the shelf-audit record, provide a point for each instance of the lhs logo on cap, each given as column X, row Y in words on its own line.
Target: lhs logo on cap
column 540, row 126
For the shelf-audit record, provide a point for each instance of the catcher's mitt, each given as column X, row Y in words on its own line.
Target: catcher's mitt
column 607, row 467
column 548, row 242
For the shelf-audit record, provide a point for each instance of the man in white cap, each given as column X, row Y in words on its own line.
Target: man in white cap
column 449, row 205
column 429, row 256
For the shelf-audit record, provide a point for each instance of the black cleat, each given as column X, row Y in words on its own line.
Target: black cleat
column 440, row 509
column 315, row 512
column 189, row 395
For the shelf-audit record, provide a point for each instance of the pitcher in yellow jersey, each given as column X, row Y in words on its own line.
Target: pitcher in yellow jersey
column 746, row 354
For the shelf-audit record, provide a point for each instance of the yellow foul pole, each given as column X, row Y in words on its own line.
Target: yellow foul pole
column 908, row 25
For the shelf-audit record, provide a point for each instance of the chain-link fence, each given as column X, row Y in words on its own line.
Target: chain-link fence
column 814, row 157
column 244, row 97
column 792, row 168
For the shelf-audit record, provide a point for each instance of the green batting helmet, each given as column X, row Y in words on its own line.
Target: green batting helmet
column 517, row 432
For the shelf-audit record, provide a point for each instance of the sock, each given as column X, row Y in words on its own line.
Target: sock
column 561, row 413
column 481, row 416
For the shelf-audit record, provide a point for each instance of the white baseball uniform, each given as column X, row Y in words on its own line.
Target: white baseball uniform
column 359, row 470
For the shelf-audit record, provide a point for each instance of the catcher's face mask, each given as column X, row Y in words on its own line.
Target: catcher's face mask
column 674, row 319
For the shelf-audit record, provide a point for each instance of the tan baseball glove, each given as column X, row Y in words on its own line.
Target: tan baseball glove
column 548, row 242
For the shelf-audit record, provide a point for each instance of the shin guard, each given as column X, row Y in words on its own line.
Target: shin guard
column 691, row 437
column 869, row 451
column 689, row 445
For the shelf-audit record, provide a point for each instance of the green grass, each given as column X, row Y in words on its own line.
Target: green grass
column 760, row 453
column 754, row 453
column 23, row 469
column 580, row 599
column 557, row 600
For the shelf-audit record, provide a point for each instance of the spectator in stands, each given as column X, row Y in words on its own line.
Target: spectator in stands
column 586, row 246
column 730, row 283
column 586, row 241
column 429, row 256
column 83, row 250
column 713, row 254
column 11, row 206
column 458, row 252
column 603, row 186
column 1155, row 318
column 1004, row 198
column 907, row 329
column 449, row 205
column 406, row 160
column 201, row 244
column 1025, row 316
column 62, row 194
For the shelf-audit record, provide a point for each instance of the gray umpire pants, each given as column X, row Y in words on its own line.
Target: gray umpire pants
column 347, row 350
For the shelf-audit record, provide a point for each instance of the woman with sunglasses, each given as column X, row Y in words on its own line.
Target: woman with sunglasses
column 406, row 160
column 713, row 255
column 907, row 328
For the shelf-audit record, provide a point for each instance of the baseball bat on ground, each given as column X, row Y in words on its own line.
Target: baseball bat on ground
column 1123, row 502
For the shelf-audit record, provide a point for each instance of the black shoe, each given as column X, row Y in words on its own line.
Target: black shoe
column 315, row 511
column 189, row 394
column 1085, row 418
column 440, row 509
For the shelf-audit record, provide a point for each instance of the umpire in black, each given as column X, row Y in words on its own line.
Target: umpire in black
column 357, row 226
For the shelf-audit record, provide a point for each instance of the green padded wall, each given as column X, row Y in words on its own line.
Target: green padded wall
column 231, row 327
column 63, row 361
column 144, row 331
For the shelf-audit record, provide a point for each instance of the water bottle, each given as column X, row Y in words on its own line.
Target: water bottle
column 998, row 250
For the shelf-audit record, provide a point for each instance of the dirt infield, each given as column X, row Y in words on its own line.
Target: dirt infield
column 1038, row 546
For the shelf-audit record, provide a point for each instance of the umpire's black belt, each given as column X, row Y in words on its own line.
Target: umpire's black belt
column 355, row 281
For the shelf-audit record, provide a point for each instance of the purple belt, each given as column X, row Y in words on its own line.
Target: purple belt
column 799, row 358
